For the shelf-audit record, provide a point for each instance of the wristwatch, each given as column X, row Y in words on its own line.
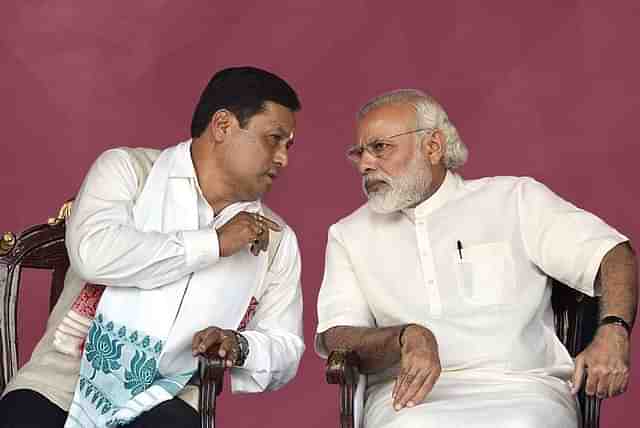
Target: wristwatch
column 612, row 319
column 243, row 344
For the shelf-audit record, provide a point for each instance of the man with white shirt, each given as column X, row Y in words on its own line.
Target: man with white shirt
column 441, row 284
column 186, row 251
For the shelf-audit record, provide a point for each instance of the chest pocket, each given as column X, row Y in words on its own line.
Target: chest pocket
column 485, row 274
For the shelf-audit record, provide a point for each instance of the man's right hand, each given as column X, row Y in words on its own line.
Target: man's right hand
column 419, row 367
column 246, row 229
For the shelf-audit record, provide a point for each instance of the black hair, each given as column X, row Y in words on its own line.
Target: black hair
column 243, row 91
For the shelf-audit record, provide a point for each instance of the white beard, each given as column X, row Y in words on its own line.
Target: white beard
column 403, row 191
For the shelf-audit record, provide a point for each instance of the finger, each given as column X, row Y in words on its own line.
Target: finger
column 424, row 390
column 401, row 395
column 591, row 385
column 416, row 384
column 198, row 342
column 615, row 384
column 578, row 376
column 269, row 223
column 210, row 341
column 254, row 247
column 228, row 351
column 625, row 383
column 396, row 385
column 197, row 339
column 602, row 388
column 265, row 240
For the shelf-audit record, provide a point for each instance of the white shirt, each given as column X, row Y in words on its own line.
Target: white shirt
column 106, row 248
column 488, row 307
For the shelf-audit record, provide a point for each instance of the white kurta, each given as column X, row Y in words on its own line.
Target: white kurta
column 488, row 307
column 111, row 251
column 102, row 225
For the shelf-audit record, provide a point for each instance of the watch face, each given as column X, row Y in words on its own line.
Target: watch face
column 243, row 345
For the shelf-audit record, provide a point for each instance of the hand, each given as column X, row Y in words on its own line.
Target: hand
column 606, row 361
column 214, row 341
column 419, row 367
column 243, row 229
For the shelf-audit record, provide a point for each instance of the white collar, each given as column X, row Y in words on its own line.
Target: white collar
column 444, row 194
column 183, row 162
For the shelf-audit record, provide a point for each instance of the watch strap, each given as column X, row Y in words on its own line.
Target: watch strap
column 613, row 319
column 243, row 345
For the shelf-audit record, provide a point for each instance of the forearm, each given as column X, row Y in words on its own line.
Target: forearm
column 378, row 348
column 618, row 278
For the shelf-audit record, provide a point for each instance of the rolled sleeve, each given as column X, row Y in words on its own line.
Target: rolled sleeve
column 565, row 242
column 341, row 301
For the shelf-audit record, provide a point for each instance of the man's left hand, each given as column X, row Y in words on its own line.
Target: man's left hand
column 214, row 341
column 606, row 362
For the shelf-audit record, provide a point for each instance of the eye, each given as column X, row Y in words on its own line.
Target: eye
column 379, row 147
column 274, row 139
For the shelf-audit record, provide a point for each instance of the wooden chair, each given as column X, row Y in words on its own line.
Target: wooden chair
column 42, row 247
column 576, row 320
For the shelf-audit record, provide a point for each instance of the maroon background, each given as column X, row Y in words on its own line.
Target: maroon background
column 535, row 89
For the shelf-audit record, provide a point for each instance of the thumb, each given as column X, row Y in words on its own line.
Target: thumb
column 578, row 375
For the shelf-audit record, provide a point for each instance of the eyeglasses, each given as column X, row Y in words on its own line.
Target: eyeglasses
column 378, row 148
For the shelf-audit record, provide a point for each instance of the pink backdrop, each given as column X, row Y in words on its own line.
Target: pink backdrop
column 535, row 89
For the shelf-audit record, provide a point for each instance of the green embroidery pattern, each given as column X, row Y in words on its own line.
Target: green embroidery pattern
column 118, row 363
column 142, row 374
column 101, row 351
column 99, row 399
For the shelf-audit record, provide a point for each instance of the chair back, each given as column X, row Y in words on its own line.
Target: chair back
column 38, row 247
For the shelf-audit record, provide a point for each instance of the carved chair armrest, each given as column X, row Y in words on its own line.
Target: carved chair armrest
column 343, row 369
column 576, row 321
column 211, row 373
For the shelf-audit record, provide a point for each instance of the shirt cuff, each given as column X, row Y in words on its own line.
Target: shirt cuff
column 589, row 286
column 251, row 363
column 201, row 248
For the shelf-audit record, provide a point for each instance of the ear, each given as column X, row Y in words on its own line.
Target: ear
column 434, row 147
column 221, row 122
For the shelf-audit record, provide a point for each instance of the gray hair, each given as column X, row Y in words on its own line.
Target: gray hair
column 429, row 114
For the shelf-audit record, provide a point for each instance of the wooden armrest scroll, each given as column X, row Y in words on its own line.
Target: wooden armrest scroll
column 343, row 369
column 7, row 243
column 211, row 373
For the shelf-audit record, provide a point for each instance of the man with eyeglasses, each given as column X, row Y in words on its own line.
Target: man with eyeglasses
column 193, row 263
column 440, row 284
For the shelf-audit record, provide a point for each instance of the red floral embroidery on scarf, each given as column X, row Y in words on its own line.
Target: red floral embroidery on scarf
column 251, row 311
column 87, row 301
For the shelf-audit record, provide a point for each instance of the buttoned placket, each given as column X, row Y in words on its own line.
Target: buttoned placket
column 428, row 266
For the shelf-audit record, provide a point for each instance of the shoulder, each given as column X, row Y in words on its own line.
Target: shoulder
column 127, row 156
column 360, row 221
column 502, row 185
column 496, row 183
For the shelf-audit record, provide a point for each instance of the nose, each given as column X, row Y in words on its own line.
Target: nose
column 281, row 156
column 367, row 163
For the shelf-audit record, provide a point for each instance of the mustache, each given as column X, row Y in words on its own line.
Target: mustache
column 368, row 180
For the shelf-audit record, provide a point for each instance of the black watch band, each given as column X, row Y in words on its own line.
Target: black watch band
column 612, row 319
column 243, row 345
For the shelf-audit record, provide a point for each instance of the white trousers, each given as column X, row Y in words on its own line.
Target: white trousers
column 478, row 400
